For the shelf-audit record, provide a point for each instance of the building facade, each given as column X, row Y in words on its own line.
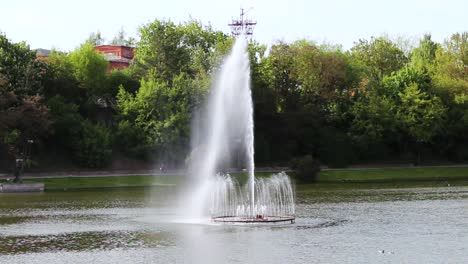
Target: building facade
column 119, row 57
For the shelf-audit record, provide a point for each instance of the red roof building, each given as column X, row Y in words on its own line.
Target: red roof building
column 119, row 57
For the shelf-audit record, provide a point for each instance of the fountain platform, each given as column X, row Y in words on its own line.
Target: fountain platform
column 254, row 220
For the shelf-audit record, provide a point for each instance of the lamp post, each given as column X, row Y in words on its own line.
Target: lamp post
column 19, row 161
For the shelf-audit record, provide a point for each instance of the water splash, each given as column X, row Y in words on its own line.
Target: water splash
column 223, row 138
column 274, row 196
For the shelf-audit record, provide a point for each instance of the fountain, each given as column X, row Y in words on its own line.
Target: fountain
column 223, row 137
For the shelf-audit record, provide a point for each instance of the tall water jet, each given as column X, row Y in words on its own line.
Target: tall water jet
column 223, row 138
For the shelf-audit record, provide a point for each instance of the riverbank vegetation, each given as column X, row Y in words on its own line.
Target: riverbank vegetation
column 394, row 174
column 102, row 182
column 377, row 101
column 340, row 177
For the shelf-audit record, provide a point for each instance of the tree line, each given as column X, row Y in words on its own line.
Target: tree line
column 374, row 102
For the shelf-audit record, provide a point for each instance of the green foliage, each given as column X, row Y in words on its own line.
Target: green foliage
column 161, row 112
column 61, row 79
column 166, row 50
column 374, row 119
column 93, row 147
column 22, row 113
column 89, row 68
column 19, row 71
column 22, row 119
column 131, row 140
column 306, row 168
column 423, row 56
column 421, row 115
column 90, row 144
column 394, row 84
column 12, row 137
column 280, row 63
column 122, row 40
column 457, row 47
column 379, row 100
column 122, row 78
column 66, row 119
column 95, row 39
column 173, row 63
column 335, row 148
column 380, row 54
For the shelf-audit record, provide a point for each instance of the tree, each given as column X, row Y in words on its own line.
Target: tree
column 285, row 84
column 95, row 39
column 380, row 54
column 450, row 79
column 174, row 63
column 165, row 49
column 452, row 59
column 117, row 78
column 61, row 79
column 162, row 113
column 393, row 84
column 422, row 115
column 22, row 113
column 424, row 55
column 89, row 68
column 22, row 119
column 93, row 147
column 19, row 70
column 373, row 127
column 90, row 145
column 457, row 45
column 66, row 122
column 121, row 39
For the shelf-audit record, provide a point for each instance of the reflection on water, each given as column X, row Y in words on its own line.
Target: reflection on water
column 81, row 241
column 421, row 223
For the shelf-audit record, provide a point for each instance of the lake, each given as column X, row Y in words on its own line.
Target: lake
column 336, row 223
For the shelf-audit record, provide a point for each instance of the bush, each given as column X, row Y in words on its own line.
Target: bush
column 67, row 122
column 131, row 141
column 93, row 149
column 335, row 149
column 306, row 168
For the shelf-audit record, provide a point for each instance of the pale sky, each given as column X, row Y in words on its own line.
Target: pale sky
column 65, row 24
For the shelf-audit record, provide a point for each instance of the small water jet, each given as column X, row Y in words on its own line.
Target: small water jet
column 223, row 137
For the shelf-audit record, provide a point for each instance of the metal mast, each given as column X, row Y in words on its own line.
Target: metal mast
column 243, row 25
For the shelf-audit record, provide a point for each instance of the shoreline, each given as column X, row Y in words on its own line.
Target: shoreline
column 129, row 179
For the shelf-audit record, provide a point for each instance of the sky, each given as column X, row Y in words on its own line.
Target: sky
column 64, row 25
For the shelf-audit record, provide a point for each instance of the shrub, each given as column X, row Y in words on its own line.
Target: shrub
column 306, row 168
column 130, row 140
column 335, row 149
column 93, row 148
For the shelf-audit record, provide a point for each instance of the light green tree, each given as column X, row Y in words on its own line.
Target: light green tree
column 380, row 54
column 421, row 115
column 89, row 68
column 166, row 49
column 96, row 39
column 423, row 56
column 121, row 39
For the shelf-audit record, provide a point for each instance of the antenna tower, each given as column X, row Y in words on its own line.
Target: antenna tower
column 243, row 25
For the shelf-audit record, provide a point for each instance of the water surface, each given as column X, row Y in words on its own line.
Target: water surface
column 383, row 223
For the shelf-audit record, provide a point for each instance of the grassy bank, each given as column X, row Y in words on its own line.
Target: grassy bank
column 430, row 174
column 98, row 182
column 394, row 174
column 56, row 184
